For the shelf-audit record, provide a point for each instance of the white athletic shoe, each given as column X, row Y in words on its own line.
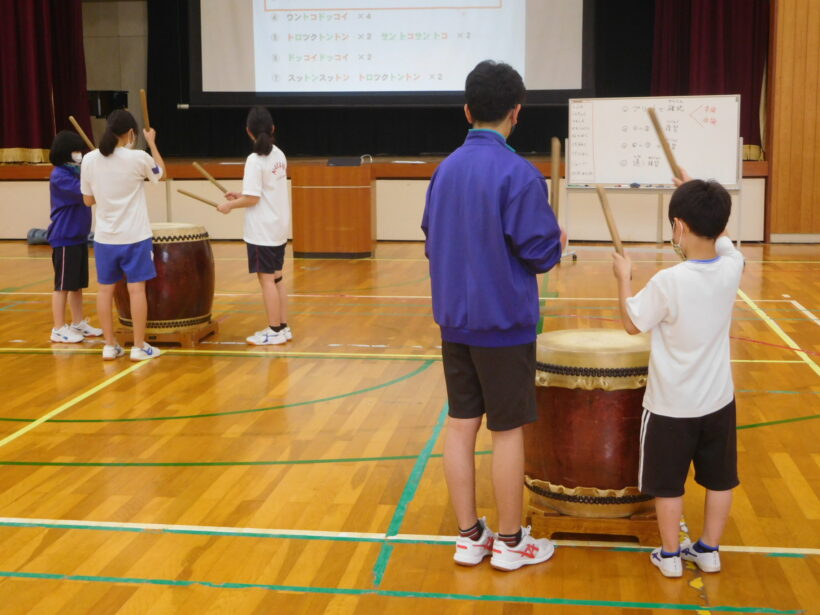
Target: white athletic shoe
column 472, row 552
column 85, row 329
column 66, row 335
column 529, row 551
column 267, row 337
column 671, row 567
column 707, row 562
column 288, row 333
column 144, row 353
column 112, row 352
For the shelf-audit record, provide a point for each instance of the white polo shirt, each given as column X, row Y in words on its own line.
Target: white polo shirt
column 688, row 311
column 116, row 183
column 268, row 222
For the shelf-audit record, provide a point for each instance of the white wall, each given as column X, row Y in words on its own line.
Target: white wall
column 399, row 207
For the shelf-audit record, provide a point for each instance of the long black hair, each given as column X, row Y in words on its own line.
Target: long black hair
column 118, row 123
column 260, row 125
column 66, row 142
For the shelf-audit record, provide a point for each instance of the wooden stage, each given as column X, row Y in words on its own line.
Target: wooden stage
column 308, row 478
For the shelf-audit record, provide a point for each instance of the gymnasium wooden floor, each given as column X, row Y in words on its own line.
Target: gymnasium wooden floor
column 308, row 479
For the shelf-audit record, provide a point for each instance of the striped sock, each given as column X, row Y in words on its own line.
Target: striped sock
column 473, row 533
column 511, row 540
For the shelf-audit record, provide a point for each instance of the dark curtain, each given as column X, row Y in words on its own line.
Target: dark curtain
column 713, row 47
column 42, row 75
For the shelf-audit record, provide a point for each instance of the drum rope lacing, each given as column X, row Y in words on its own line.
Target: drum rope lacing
column 589, row 499
column 592, row 372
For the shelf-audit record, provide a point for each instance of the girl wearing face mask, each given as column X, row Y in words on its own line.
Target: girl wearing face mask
column 112, row 179
column 68, row 236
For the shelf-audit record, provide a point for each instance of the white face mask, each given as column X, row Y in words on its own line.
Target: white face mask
column 676, row 245
column 77, row 157
column 132, row 143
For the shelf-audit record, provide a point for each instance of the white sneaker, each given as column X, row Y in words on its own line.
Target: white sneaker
column 707, row 562
column 472, row 552
column 267, row 337
column 669, row 566
column 112, row 352
column 144, row 353
column 288, row 333
column 529, row 551
column 85, row 329
column 66, row 335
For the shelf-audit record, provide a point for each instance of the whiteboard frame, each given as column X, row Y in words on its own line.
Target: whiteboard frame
column 643, row 187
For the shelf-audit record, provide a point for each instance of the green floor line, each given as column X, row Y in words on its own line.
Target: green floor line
column 382, row 385
column 386, row 593
column 210, row 464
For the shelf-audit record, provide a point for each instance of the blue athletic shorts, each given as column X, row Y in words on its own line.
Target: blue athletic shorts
column 133, row 260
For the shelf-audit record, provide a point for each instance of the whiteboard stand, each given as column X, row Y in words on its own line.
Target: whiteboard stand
column 568, row 251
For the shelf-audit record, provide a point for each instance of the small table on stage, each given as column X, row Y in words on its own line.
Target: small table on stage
column 334, row 213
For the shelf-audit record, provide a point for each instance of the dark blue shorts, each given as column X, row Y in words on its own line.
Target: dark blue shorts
column 135, row 261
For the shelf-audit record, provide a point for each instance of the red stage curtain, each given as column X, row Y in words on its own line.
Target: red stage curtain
column 713, row 47
column 42, row 75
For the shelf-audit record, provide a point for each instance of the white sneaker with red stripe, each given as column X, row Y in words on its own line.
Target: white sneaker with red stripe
column 472, row 552
column 529, row 551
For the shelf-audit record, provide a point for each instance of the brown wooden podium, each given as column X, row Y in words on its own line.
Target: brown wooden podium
column 334, row 212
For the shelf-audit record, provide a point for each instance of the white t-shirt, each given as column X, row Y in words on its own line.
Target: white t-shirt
column 267, row 223
column 115, row 182
column 688, row 310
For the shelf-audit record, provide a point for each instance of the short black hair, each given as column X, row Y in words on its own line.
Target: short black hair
column 704, row 206
column 66, row 142
column 492, row 90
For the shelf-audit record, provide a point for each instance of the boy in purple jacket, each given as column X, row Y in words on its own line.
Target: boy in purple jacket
column 489, row 230
column 68, row 236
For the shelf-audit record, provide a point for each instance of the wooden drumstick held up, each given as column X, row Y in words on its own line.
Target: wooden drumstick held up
column 81, row 132
column 144, row 100
column 610, row 220
column 198, row 198
column 670, row 157
column 555, row 174
column 209, row 177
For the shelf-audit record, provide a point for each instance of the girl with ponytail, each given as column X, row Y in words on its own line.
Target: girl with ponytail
column 267, row 223
column 112, row 178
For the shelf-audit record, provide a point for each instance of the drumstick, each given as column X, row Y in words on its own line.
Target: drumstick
column 198, row 198
column 670, row 157
column 209, row 177
column 610, row 220
column 144, row 100
column 555, row 173
column 81, row 132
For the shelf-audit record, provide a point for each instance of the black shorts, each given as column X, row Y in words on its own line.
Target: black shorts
column 497, row 381
column 669, row 445
column 70, row 267
column 265, row 259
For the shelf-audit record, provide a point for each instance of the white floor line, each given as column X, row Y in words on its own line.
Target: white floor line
column 337, row 295
column 806, row 313
column 374, row 536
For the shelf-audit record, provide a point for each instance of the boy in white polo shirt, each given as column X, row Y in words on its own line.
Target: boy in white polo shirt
column 112, row 178
column 689, row 406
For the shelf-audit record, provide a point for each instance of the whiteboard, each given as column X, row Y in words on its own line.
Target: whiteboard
column 612, row 141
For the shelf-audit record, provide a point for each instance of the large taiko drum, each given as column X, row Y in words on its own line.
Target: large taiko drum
column 181, row 296
column 581, row 455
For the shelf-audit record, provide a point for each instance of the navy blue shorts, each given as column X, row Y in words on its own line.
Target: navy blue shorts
column 135, row 261
column 70, row 267
column 265, row 259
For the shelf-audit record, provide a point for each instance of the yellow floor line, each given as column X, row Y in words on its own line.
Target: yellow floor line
column 780, row 333
column 72, row 402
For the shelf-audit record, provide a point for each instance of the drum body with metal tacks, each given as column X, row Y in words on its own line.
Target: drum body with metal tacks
column 181, row 296
column 582, row 454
